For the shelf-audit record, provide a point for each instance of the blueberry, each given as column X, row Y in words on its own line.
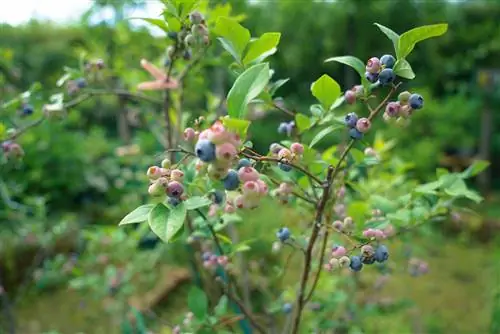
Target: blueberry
column 174, row 201
column 368, row 259
column 27, row 110
column 355, row 134
column 187, row 55
column 381, row 254
column 172, row 35
column 289, row 128
column 287, row 308
column 386, row 76
column 206, row 256
column 231, row 181
column 416, row 101
column 205, row 150
column 218, row 196
column 356, row 264
column 283, row 234
column 283, row 127
column 388, row 61
column 351, row 119
column 244, row 163
column 284, row 167
column 81, row 83
column 372, row 77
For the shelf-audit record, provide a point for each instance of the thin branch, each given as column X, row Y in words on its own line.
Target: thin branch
column 308, row 200
column 285, row 110
column 318, row 274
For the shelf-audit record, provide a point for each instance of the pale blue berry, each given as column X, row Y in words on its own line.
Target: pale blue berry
column 416, row 101
column 205, row 150
column 287, row 308
column 244, row 163
column 381, row 254
column 351, row 119
column 388, row 61
column 356, row 264
column 371, row 77
column 284, row 167
column 355, row 134
column 231, row 181
column 283, row 234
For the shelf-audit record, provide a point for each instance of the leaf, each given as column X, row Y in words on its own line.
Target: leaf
column 262, row 47
column 241, row 248
column 167, row 223
column 428, row 188
column 394, row 37
column 221, row 307
column 239, row 126
column 358, row 210
column 384, row 204
column 196, row 202
column 322, row 134
column 403, row 69
column 139, row 215
column 198, row 302
column 156, row 22
column 276, row 85
column 246, row 87
column 63, row 79
column 354, row 62
column 357, row 155
column 303, row 122
column 338, row 102
column 224, row 239
column 235, row 37
column 408, row 40
column 477, row 167
column 326, row 90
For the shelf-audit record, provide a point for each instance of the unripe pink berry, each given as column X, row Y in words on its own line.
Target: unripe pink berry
column 350, row 96
column 392, row 109
column 223, row 260
column 389, row 230
column 177, row 329
column 285, row 188
column 175, row 189
column 339, row 251
column 229, row 208
column 239, row 201
column 341, row 192
column 263, row 188
column 225, row 151
column 156, row 189
column 212, row 210
column 339, row 209
column 248, row 173
column 337, row 225
column 189, row 134
column 379, row 234
column 153, row 173
column 369, row 233
column 297, row 148
column 373, row 65
column 251, row 189
column 285, row 154
column 363, row 124
column 369, row 151
column 176, row 175
column 235, row 139
column 327, row 267
column 204, row 134
column 218, row 133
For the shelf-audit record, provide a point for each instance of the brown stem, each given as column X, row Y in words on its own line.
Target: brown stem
column 308, row 200
column 308, row 255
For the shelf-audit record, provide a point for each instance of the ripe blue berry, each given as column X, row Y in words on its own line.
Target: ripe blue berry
column 287, row 308
column 174, row 201
column 205, row 150
column 386, row 76
column 283, row 234
column 381, row 254
column 284, row 167
column 351, row 119
column 218, row 196
column 282, row 128
column 356, row 264
column 231, row 181
column 355, row 134
column 244, row 163
column 187, row 55
column 81, row 83
column 416, row 101
column 289, row 128
column 388, row 61
column 372, row 77
column 172, row 35
column 27, row 110
column 206, row 256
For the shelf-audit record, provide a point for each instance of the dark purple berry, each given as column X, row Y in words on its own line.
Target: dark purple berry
column 386, row 76
column 355, row 134
column 172, row 35
column 218, row 196
column 351, row 119
column 187, row 55
column 27, row 110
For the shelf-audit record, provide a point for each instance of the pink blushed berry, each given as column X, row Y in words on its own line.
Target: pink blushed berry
column 175, row 189
column 392, row 109
column 337, row 225
column 189, row 134
column 251, row 189
column 263, row 188
column 248, row 173
column 218, row 133
column 350, row 96
column 176, row 175
column 285, row 188
column 367, row 250
column 225, row 151
column 235, row 139
column 363, row 125
column 339, row 251
column 285, row 154
column 229, row 208
column 204, row 134
column 153, row 173
column 223, row 260
column 275, row 148
column 327, row 267
column 369, row 233
column 373, row 65
column 297, row 148
column 341, row 192
column 239, row 201
column 379, row 234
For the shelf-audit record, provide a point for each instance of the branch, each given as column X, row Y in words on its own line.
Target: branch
column 310, row 201
column 285, row 110
column 318, row 274
column 169, row 138
column 308, row 256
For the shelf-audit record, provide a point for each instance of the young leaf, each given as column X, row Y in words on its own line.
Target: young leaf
column 326, row 90
column 428, row 188
column 403, row 69
column 156, row 22
column 276, row 85
column 246, row 87
column 303, row 122
column 354, row 62
column 477, row 167
column 166, row 223
column 221, row 307
column 390, row 34
column 322, row 134
column 408, row 40
column 262, row 47
column 235, row 37
column 139, row 215
column 239, row 126
column 196, row 202
column 198, row 302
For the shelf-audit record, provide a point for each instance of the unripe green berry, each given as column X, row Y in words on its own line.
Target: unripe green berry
column 166, row 163
column 403, row 97
column 189, row 40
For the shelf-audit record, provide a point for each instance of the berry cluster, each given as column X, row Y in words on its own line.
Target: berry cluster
column 338, row 259
column 211, row 260
column 369, row 255
column 12, row 149
column 74, row 86
column 166, row 181
column 357, row 126
column 380, row 69
column 417, row 267
column 343, row 225
column 374, row 233
column 286, row 128
column 404, row 107
column 286, row 155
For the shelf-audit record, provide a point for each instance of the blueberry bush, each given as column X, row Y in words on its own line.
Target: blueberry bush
column 352, row 196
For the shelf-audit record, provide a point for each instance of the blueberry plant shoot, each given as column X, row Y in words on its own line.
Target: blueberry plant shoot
column 354, row 194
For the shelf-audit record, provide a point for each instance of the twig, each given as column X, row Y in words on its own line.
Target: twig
column 308, row 256
column 242, row 307
column 286, row 111
column 169, row 138
column 308, row 200
column 318, row 274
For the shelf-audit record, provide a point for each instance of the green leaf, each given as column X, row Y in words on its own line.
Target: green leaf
column 167, row 223
column 403, row 69
column 276, row 85
column 477, row 167
column 326, row 90
column 139, row 215
column 262, row 47
column 239, row 126
column 235, row 37
column 156, row 22
column 384, row 204
column 221, row 307
column 241, row 248
column 357, row 155
column 358, row 210
column 428, row 188
column 198, row 302
column 322, row 134
column 196, row 202
column 394, row 37
column 246, row 87
column 303, row 122
column 408, row 40
column 354, row 62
